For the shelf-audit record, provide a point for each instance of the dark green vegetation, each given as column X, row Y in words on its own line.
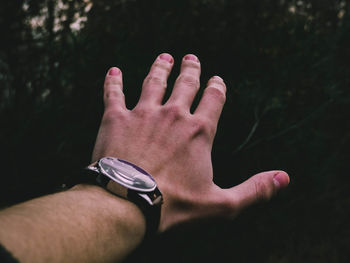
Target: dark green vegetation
column 287, row 68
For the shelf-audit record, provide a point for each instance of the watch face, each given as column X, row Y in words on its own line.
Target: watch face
column 127, row 174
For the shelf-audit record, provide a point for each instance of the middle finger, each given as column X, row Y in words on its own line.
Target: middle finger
column 187, row 84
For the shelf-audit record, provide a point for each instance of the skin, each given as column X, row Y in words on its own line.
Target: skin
column 173, row 145
column 84, row 224
column 88, row 224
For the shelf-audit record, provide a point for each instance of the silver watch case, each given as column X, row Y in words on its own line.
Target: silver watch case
column 125, row 174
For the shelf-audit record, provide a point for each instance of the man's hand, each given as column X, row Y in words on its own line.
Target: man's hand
column 173, row 145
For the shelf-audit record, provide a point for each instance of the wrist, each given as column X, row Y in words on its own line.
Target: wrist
column 130, row 182
column 123, row 214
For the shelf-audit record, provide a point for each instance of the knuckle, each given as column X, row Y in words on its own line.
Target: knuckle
column 113, row 114
column 189, row 80
column 112, row 93
column 174, row 112
column 217, row 81
column 202, row 126
column 216, row 94
column 162, row 65
column 263, row 190
column 143, row 112
column 154, row 80
column 190, row 64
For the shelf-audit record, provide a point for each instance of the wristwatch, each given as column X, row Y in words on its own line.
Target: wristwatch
column 132, row 183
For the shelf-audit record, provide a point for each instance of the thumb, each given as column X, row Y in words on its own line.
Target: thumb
column 259, row 187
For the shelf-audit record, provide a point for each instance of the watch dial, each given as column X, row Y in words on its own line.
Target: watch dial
column 127, row 174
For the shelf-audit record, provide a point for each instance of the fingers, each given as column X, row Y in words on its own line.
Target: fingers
column 113, row 89
column 259, row 187
column 155, row 83
column 187, row 84
column 212, row 101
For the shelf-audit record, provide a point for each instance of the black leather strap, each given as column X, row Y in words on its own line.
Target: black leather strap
column 152, row 213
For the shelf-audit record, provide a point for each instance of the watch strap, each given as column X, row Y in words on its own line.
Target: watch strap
column 152, row 213
column 149, row 202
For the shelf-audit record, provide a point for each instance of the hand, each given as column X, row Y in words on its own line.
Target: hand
column 173, row 145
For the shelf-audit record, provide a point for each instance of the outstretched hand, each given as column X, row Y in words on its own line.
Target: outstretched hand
column 174, row 145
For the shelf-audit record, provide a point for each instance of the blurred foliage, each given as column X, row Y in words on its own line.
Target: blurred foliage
column 287, row 68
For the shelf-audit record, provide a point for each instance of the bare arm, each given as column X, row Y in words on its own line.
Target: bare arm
column 86, row 224
column 83, row 224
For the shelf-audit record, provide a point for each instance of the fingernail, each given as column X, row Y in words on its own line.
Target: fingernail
column 218, row 78
column 191, row 57
column 281, row 179
column 166, row 57
column 114, row 71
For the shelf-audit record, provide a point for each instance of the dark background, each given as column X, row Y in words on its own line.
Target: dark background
column 287, row 68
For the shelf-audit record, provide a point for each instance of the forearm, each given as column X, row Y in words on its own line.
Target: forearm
column 84, row 224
